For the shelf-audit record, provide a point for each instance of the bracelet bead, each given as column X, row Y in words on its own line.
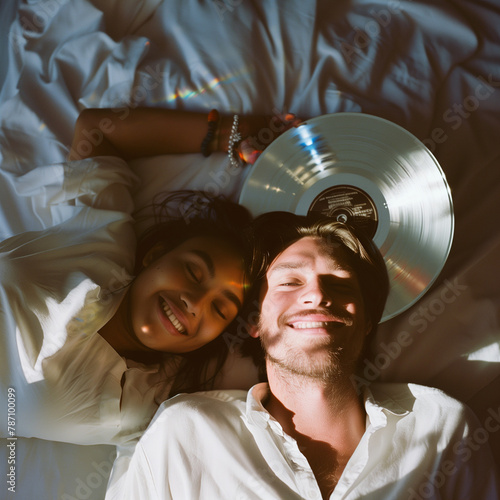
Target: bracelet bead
column 213, row 122
column 234, row 140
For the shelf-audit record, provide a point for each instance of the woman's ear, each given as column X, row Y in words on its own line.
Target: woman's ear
column 156, row 251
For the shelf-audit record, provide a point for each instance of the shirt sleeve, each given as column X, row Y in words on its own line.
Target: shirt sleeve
column 47, row 195
column 132, row 478
column 195, row 447
column 146, row 471
column 58, row 286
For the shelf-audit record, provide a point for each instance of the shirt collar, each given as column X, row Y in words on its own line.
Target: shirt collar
column 379, row 408
column 255, row 410
column 376, row 409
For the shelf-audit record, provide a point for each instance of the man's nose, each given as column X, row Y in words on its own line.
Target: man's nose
column 316, row 294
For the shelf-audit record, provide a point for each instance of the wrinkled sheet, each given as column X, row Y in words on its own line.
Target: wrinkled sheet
column 430, row 66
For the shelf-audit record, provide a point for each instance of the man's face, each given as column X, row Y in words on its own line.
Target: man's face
column 312, row 318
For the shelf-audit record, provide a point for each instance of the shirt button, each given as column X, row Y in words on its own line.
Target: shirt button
column 313, row 494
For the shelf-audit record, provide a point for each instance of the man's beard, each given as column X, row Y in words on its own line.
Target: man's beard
column 325, row 360
column 298, row 363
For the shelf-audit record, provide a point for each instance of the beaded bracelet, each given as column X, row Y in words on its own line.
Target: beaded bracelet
column 234, row 140
column 213, row 122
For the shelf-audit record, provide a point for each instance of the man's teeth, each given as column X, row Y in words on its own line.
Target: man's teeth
column 173, row 319
column 310, row 324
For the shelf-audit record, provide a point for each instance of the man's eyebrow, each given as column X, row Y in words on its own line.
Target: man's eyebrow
column 302, row 264
column 284, row 266
column 207, row 261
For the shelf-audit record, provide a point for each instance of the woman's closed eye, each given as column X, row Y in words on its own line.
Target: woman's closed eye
column 194, row 272
column 218, row 311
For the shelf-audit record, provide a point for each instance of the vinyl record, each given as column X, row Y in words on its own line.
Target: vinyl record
column 370, row 172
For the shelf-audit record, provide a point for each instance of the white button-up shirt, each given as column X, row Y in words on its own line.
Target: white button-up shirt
column 418, row 444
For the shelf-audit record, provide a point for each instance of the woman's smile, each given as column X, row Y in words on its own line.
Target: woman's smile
column 169, row 319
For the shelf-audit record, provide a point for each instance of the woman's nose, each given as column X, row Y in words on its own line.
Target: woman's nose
column 193, row 301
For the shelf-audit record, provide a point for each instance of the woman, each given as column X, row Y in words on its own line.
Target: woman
column 93, row 334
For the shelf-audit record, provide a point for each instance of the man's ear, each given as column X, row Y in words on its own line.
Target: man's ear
column 156, row 251
column 254, row 331
column 368, row 327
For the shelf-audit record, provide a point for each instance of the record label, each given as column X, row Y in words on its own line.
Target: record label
column 349, row 205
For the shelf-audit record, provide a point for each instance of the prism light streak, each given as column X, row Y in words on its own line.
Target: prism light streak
column 188, row 93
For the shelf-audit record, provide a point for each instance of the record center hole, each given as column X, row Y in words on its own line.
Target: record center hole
column 342, row 218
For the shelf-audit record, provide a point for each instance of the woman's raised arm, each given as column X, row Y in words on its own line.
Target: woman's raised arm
column 139, row 132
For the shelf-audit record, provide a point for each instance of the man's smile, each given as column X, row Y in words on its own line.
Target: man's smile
column 302, row 325
column 312, row 320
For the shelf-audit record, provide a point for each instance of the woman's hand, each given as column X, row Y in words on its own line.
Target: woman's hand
column 251, row 147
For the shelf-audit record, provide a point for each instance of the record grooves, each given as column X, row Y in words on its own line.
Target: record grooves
column 371, row 173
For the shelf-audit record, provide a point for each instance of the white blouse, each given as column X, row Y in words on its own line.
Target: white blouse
column 58, row 286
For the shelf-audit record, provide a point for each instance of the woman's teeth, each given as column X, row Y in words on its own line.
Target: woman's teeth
column 173, row 319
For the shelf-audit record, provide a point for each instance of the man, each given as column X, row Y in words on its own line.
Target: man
column 307, row 433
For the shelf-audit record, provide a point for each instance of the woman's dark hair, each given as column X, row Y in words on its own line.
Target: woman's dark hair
column 275, row 231
column 179, row 216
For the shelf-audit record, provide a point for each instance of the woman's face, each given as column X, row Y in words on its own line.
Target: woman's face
column 185, row 298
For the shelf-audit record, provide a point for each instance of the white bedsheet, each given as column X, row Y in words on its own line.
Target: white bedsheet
column 431, row 66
